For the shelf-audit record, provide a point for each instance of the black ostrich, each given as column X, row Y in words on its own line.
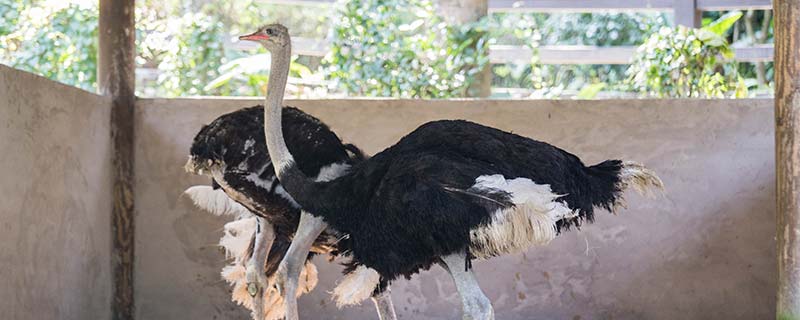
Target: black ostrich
column 446, row 193
column 232, row 151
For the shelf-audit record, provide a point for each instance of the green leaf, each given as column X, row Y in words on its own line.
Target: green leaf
column 300, row 70
column 222, row 79
column 741, row 88
column 591, row 91
column 726, row 52
column 725, row 22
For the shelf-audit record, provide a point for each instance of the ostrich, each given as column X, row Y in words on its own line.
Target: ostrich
column 231, row 150
column 446, row 193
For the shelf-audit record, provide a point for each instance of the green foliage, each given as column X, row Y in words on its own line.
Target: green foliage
column 9, row 15
column 514, row 28
column 401, row 48
column 724, row 23
column 394, row 48
column 684, row 62
column 58, row 40
column 591, row 91
column 194, row 56
column 250, row 75
column 177, row 54
column 591, row 29
column 600, row 29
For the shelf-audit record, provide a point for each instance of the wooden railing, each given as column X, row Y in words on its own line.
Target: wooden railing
column 564, row 54
column 687, row 12
column 598, row 5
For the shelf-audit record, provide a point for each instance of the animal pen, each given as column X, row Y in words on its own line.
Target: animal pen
column 94, row 225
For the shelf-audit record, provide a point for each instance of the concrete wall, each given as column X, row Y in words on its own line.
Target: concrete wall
column 703, row 251
column 56, row 202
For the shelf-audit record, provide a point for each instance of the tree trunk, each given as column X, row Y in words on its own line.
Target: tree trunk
column 787, row 155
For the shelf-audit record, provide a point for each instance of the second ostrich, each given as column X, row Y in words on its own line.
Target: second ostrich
column 446, row 193
column 231, row 151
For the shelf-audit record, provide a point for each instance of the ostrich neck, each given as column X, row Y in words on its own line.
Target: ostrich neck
column 293, row 180
column 279, row 74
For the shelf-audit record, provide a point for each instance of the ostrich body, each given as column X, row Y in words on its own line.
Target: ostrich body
column 446, row 193
column 231, row 150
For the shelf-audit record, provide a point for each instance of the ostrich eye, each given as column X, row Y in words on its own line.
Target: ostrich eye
column 270, row 32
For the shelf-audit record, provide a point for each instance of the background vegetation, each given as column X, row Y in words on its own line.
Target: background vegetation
column 401, row 48
column 688, row 63
column 386, row 48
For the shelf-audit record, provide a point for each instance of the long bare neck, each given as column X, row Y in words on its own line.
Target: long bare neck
column 293, row 180
column 279, row 74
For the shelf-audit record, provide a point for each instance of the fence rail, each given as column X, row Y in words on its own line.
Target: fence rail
column 547, row 54
column 601, row 55
column 596, row 5
column 687, row 12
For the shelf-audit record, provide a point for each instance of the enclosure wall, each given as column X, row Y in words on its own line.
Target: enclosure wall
column 56, row 202
column 704, row 250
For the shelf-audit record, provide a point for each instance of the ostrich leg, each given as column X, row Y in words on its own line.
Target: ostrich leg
column 475, row 305
column 384, row 305
column 256, row 266
column 288, row 272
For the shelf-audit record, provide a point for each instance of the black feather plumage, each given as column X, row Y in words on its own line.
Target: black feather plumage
column 235, row 142
column 413, row 203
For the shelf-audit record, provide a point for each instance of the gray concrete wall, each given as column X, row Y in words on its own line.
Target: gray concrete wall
column 703, row 251
column 56, row 200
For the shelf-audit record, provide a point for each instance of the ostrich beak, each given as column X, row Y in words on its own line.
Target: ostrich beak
column 255, row 36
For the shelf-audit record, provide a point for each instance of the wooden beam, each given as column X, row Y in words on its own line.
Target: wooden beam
column 116, row 78
column 564, row 54
column 787, row 155
column 600, row 55
column 723, row 5
column 756, row 53
column 578, row 5
column 587, row 6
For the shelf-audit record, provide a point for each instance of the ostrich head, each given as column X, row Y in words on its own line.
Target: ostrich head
column 270, row 36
